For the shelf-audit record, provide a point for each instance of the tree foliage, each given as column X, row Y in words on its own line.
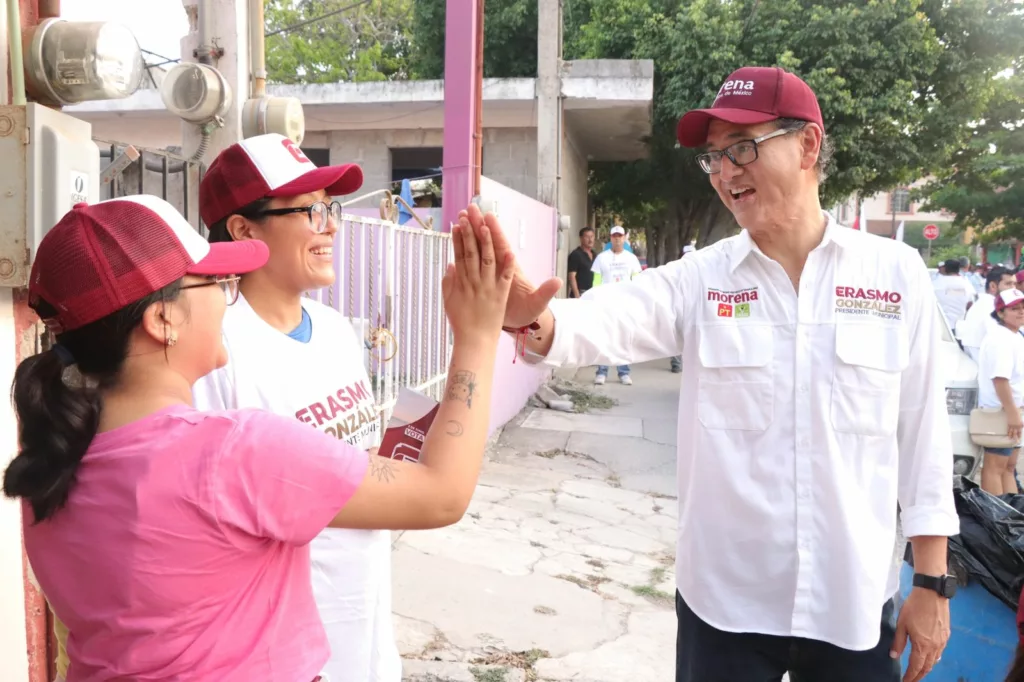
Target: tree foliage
column 370, row 42
column 984, row 186
column 510, row 39
column 898, row 82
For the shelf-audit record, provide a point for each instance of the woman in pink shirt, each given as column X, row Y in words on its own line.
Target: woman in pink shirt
column 173, row 543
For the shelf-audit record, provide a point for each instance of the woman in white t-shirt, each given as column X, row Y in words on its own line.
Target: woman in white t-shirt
column 296, row 357
column 1001, row 384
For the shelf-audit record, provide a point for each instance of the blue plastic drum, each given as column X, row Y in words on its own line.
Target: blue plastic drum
column 983, row 640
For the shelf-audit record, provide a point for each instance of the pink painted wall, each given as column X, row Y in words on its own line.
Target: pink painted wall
column 530, row 227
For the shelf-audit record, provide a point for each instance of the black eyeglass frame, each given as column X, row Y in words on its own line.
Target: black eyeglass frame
column 331, row 209
column 230, row 293
column 704, row 160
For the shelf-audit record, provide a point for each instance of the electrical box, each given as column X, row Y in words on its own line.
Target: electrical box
column 49, row 164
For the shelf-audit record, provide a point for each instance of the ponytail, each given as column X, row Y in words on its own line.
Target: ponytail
column 57, row 397
column 56, row 423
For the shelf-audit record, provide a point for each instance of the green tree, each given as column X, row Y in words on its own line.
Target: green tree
column 370, row 42
column 898, row 82
column 984, row 186
column 510, row 39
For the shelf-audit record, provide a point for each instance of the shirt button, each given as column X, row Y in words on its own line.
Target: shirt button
column 803, row 388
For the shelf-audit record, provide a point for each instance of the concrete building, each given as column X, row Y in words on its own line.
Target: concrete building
column 885, row 210
column 394, row 130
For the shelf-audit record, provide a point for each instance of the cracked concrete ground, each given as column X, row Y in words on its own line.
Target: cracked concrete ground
column 563, row 568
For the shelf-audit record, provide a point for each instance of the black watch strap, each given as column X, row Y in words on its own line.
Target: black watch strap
column 944, row 585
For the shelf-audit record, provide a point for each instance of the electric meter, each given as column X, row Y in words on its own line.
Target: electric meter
column 72, row 62
column 196, row 93
column 282, row 115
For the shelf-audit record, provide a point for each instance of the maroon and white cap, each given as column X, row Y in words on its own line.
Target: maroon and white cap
column 752, row 95
column 267, row 166
column 1007, row 298
column 100, row 258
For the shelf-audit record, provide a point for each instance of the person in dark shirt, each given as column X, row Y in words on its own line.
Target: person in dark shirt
column 580, row 261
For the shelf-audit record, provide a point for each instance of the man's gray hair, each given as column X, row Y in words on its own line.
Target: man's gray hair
column 824, row 153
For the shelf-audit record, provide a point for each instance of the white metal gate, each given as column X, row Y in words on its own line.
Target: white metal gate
column 389, row 287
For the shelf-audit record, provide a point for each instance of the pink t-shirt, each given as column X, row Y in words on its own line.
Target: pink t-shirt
column 183, row 551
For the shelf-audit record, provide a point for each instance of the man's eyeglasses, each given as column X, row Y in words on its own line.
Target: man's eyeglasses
column 319, row 213
column 228, row 285
column 741, row 153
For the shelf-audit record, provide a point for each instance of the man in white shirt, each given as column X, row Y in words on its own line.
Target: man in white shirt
column 812, row 404
column 978, row 321
column 613, row 266
column 953, row 291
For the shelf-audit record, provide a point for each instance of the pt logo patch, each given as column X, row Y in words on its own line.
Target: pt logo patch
column 884, row 305
column 733, row 303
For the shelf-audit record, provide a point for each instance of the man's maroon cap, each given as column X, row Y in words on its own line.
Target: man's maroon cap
column 752, row 95
column 268, row 165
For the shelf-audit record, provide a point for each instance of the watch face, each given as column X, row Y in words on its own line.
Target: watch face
column 948, row 586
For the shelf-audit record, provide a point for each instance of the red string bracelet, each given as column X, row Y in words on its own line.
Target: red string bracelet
column 521, row 334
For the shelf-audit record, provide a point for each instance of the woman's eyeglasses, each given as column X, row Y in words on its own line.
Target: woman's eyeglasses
column 319, row 214
column 229, row 285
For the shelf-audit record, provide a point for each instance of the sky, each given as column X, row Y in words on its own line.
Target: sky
column 158, row 25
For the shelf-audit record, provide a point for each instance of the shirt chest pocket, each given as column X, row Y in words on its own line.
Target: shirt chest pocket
column 735, row 388
column 870, row 360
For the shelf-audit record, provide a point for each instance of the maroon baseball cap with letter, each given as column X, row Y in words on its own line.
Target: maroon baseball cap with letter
column 752, row 95
column 267, row 166
column 101, row 258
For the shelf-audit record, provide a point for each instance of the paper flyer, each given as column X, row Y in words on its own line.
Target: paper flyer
column 404, row 436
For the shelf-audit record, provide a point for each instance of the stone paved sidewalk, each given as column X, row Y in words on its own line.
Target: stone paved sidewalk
column 563, row 568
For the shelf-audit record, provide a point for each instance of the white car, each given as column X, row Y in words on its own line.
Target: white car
column 961, row 397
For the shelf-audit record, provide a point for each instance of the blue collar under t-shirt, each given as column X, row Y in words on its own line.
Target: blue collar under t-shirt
column 304, row 332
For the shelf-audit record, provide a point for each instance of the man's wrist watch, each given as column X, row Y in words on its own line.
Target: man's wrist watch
column 944, row 585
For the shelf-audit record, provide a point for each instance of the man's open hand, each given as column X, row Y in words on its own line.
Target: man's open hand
column 924, row 619
column 525, row 302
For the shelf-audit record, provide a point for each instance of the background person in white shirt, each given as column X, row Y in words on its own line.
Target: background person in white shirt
column 953, row 291
column 1001, row 385
column 293, row 356
column 811, row 405
column 614, row 266
column 978, row 321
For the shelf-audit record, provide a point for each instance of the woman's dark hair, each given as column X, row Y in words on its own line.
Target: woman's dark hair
column 57, row 414
column 219, row 230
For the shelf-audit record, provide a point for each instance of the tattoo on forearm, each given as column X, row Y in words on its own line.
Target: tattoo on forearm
column 381, row 469
column 454, row 428
column 461, row 387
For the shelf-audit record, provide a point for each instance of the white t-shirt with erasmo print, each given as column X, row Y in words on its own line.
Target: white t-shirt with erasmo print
column 322, row 383
column 615, row 267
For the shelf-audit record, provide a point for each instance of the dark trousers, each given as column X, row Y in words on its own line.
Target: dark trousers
column 705, row 654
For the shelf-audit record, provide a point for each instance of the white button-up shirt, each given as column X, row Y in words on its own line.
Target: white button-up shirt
column 804, row 417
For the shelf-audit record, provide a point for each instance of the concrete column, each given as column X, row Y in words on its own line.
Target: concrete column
column 231, row 34
column 460, row 57
column 549, row 109
column 549, row 116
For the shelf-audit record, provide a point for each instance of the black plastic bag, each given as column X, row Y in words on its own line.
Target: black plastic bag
column 990, row 546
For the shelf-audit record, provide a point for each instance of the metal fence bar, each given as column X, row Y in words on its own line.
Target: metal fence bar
column 389, row 277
